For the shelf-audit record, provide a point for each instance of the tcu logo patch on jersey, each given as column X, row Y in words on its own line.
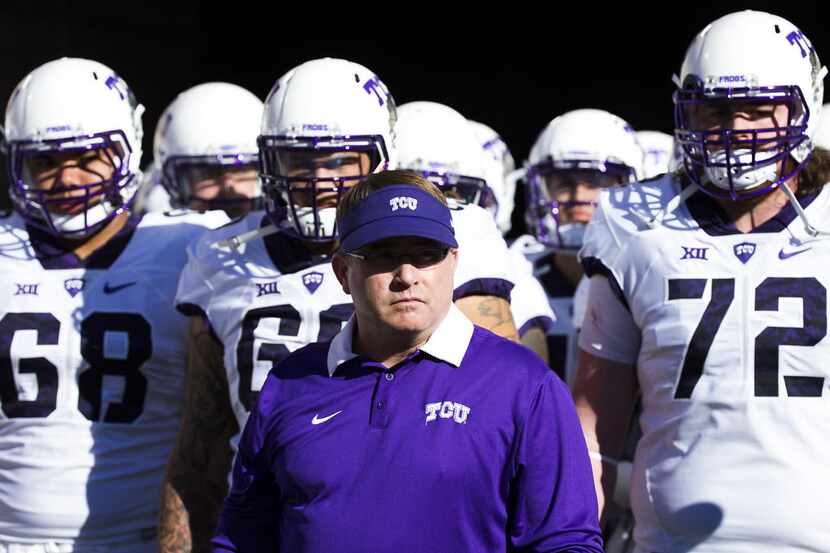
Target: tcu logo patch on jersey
column 312, row 281
column 74, row 286
column 403, row 202
column 447, row 410
column 744, row 251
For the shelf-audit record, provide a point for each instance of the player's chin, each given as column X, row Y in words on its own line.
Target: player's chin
column 578, row 215
column 68, row 208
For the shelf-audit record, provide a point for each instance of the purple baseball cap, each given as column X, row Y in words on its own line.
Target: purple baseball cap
column 396, row 210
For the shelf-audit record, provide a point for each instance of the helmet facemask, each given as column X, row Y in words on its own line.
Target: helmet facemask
column 737, row 164
column 290, row 169
column 186, row 178
column 550, row 180
column 463, row 190
column 68, row 210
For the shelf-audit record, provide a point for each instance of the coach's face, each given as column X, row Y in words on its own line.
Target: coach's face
column 402, row 284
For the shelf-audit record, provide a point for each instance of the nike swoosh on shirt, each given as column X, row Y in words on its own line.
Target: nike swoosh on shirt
column 316, row 421
column 113, row 289
column 786, row 255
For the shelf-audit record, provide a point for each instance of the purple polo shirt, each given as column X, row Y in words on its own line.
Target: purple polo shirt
column 469, row 444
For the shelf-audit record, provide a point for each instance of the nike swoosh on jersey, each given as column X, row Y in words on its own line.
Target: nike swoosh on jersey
column 786, row 255
column 316, row 421
column 113, row 289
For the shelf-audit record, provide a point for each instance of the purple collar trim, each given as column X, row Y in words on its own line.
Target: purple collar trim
column 54, row 255
column 714, row 221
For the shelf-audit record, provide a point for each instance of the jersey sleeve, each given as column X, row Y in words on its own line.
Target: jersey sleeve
column 194, row 291
column 484, row 261
column 604, row 249
column 608, row 330
column 529, row 304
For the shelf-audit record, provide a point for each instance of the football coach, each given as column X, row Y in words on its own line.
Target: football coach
column 412, row 430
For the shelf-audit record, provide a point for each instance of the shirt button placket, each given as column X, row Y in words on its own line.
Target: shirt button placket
column 380, row 410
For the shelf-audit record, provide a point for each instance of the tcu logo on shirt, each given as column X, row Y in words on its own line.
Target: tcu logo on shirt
column 447, row 410
column 403, row 202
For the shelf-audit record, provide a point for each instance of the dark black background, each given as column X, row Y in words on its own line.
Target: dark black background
column 513, row 68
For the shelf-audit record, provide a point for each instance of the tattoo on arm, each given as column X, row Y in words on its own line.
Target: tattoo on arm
column 174, row 529
column 490, row 312
column 201, row 460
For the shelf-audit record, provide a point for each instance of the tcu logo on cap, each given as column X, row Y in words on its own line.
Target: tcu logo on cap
column 402, row 202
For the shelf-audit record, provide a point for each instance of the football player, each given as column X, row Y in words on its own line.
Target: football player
column 708, row 296
column 91, row 349
column 263, row 286
column 578, row 154
column 498, row 167
column 205, row 151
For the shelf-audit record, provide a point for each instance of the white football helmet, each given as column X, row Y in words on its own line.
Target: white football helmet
column 324, row 106
column 209, row 126
column 659, row 153
column 67, row 106
column 439, row 143
column 822, row 136
column 748, row 57
column 498, row 165
column 596, row 145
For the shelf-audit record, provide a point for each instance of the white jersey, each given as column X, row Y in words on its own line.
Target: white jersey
column 92, row 359
column 269, row 296
column 484, row 264
column 562, row 335
column 528, row 301
column 732, row 366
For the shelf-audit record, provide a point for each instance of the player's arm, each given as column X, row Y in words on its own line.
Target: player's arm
column 197, row 472
column 250, row 513
column 536, row 339
column 490, row 312
column 605, row 393
column 606, row 388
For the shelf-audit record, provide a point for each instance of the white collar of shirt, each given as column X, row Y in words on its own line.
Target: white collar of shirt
column 448, row 343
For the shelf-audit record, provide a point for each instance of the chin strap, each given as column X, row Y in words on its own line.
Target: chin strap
column 239, row 239
column 808, row 227
column 669, row 208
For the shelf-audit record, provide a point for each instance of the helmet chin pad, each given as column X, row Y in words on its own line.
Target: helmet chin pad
column 736, row 170
column 314, row 224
